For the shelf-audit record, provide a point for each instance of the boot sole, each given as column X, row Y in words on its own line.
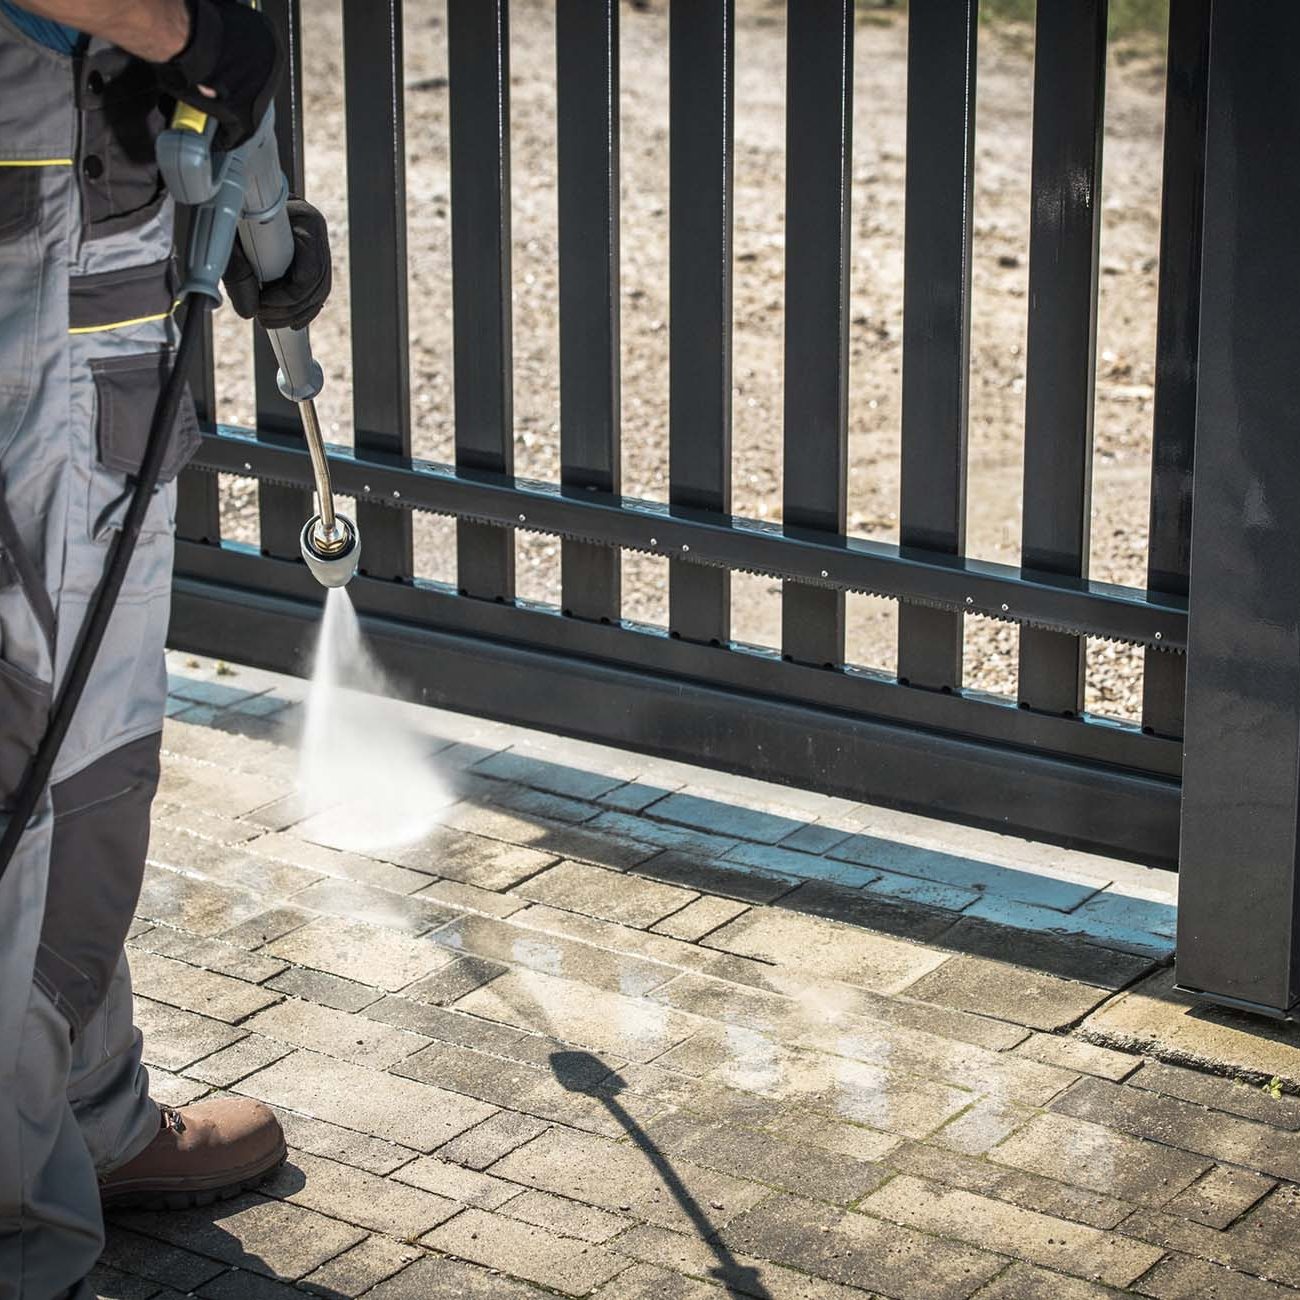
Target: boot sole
column 162, row 1198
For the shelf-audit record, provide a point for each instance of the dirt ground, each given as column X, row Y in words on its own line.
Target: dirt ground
column 1126, row 329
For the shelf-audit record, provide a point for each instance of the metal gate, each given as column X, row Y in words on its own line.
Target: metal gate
column 1038, row 766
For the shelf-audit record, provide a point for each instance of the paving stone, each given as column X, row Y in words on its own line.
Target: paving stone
column 647, row 1282
column 699, row 918
column 700, row 872
column 826, row 948
column 197, row 906
column 453, row 981
column 144, row 1256
column 335, row 1033
column 350, row 899
column 191, row 989
column 233, row 865
column 1256, row 1252
column 190, row 783
column 596, row 841
column 625, row 1179
column 338, row 864
column 169, row 1089
column 1127, row 911
column 452, row 1182
column 565, row 1217
column 496, row 1136
column 1221, row 1196
column 1186, row 1126
column 1025, row 1234
column 854, row 1140
column 851, row 1248
column 174, row 1039
column 534, row 803
column 800, row 866
column 108, row 1284
column 655, row 835
column 342, row 1145
column 477, row 860
column 207, row 825
column 815, row 838
column 383, row 1105
column 894, row 917
column 963, row 872
column 268, row 924
column 241, row 1285
column 765, row 1158
column 447, row 1026
column 344, row 1192
column 1075, row 1054
column 324, row 989
column 360, row 951
column 437, row 1278
column 1095, row 931
column 721, row 818
column 739, row 1274
column 526, row 1251
column 611, row 895
column 460, row 897
column 609, row 1022
column 525, row 769
column 1179, row 1277
column 357, row 1270
column 1091, row 1155
column 1248, row 1100
column 209, row 954
column 1028, row 1282
column 1157, row 1019
column 254, row 1232
column 633, row 797
column 509, row 942
column 982, row 1126
column 1029, row 1191
column 250, row 1054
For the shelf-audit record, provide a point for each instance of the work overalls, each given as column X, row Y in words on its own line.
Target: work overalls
column 86, row 297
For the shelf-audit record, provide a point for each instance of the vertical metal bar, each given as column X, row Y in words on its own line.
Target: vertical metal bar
column 586, row 42
column 1178, row 316
column 941, row 49
column 478, row 40
column 1069, row 85
column 1238, row 907
column 282, row 510
column 198, row 501
column 381, row 403
column 702, row 98
column 818, row 195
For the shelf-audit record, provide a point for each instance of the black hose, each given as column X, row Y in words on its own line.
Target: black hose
column 101, row 607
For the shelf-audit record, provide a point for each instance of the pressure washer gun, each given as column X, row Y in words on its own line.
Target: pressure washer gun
column 242, row 193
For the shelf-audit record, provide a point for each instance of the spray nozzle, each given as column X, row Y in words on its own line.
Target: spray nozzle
column 331, row 553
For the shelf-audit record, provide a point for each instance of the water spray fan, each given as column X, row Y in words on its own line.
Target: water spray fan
column 242, row 194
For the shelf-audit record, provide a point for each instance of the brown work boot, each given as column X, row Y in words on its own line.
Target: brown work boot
column 203, row 1153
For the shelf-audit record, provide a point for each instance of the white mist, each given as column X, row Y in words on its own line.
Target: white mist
column 363, row 772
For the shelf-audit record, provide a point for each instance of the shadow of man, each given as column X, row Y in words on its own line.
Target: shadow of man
column 584, row 1073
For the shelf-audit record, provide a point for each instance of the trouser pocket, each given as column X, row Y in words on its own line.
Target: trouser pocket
column 20, row 283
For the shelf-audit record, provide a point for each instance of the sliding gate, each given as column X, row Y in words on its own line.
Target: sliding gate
column 1037, row 765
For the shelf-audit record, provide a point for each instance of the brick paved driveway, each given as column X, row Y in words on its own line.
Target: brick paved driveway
column 623, row 1029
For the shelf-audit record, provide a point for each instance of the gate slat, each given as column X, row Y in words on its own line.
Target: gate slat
column 478, row 48
column 1178, row 317
column 819, row 153
column 282, row 511
column 376, row 153
column 586, row 39
column 702, row 161
column 941, row 49
column 1065, row 223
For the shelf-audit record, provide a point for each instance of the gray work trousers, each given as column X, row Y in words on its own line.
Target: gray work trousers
column 86, row 297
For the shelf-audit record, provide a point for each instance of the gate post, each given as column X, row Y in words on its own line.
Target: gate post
column 1237, row 916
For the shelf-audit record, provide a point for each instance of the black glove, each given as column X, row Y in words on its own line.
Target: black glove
column 294, row 300
column 233, row 51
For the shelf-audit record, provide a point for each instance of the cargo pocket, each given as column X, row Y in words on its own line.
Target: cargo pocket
column 127, row 390
column 26, row 643
column 20, row 282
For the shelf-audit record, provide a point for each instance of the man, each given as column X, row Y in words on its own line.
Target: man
column 86, row 289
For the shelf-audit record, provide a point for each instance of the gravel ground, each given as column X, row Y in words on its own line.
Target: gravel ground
column 1126, row 317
